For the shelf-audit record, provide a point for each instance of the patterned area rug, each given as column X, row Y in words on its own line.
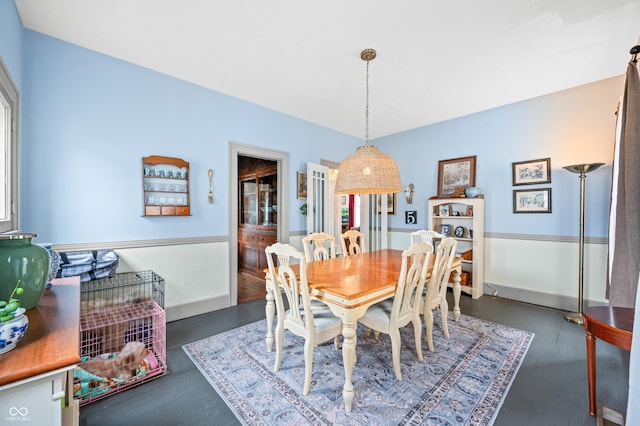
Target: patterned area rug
column 463, row 382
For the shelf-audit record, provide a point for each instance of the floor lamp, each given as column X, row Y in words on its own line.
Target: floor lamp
column 582, row 169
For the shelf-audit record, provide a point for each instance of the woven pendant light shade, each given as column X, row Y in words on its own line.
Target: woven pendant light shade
column 368, row 171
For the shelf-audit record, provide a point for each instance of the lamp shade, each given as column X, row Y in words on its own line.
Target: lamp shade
column 583, row 168
column 368, row 171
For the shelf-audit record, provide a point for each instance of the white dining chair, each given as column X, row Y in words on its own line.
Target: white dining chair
column 319, row 246
column 352, row 242
column 425, row 235
column 390, row 315
column 436, row 288
column 314, row 326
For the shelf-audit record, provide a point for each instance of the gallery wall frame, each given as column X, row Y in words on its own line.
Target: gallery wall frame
column 455, row 172
column 302, row 186
column 536, row 200
column 531, row 172
column 391, row 204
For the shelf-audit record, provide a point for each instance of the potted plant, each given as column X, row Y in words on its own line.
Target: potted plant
column 13, row 321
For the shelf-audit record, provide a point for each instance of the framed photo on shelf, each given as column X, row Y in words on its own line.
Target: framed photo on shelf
column 445, row 210
column 531, row 172
column 532, row 200
column 469, row 211
column 302, row 186
column 455, row 172
column 445, row 229
column 391, row 204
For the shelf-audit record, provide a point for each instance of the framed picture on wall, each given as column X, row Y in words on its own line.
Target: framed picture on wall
column 391, row 204
column 454, row 173
column 302, row 186
column 532, row 200
column 531, row 172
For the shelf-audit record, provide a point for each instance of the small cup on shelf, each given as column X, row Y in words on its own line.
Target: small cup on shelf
column 472, row 191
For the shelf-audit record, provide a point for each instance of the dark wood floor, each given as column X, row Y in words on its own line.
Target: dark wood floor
column 550, row 388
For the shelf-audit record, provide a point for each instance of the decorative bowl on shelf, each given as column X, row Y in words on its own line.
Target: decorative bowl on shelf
column 13, row 330
column 472, row 191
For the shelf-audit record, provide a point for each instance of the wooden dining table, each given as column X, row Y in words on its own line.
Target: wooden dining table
column 349, row 285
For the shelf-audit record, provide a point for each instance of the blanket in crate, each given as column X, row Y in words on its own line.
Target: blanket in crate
column 86, row 384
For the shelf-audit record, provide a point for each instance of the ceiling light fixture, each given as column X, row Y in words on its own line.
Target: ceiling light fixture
column 369, row 170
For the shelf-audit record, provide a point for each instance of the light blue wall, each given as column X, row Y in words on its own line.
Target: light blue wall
column 572, row 126
column 11, row 40
column 91, row 118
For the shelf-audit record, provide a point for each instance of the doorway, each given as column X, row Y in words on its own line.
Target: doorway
column 279, row 197
column 257, row 223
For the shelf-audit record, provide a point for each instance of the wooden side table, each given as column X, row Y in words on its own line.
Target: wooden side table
column 38, row 373
column 613, row 325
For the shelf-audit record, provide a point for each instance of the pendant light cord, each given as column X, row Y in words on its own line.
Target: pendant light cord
column 366, row 114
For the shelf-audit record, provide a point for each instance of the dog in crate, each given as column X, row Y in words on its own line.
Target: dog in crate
column 107, row 307
column 122, row 366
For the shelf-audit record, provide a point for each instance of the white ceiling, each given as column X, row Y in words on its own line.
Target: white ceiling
column 436, row 60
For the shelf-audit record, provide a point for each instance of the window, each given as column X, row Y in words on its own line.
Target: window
column 9, row 108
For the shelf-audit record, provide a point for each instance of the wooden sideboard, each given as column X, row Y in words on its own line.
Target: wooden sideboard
column 36, row 378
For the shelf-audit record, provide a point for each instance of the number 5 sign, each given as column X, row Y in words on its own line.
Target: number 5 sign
column 411, row 217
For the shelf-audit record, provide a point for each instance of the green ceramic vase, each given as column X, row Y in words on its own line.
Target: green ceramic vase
column 21, row 260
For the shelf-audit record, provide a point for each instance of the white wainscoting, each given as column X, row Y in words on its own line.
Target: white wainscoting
column 534, row 269
column 196, row 273
column 542, row 270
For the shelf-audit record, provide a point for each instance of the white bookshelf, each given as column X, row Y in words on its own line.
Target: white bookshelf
column 453, row 212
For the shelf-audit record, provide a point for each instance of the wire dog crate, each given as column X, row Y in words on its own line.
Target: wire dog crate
column 114, row 312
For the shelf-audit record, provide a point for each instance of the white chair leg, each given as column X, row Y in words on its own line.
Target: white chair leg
column 428, row 321
column 336, row 342
column 395, row 352
column 417, row 333
column 308, row 365
column 279, row 344
column 444, row 313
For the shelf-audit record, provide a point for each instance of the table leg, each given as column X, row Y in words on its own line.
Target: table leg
column 456, row 295
column 349, row 359
column 591, row 372
column 349, row 316
column 270, row 311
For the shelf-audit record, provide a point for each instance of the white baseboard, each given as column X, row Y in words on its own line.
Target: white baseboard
column 196, row 308
column 556, row 301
